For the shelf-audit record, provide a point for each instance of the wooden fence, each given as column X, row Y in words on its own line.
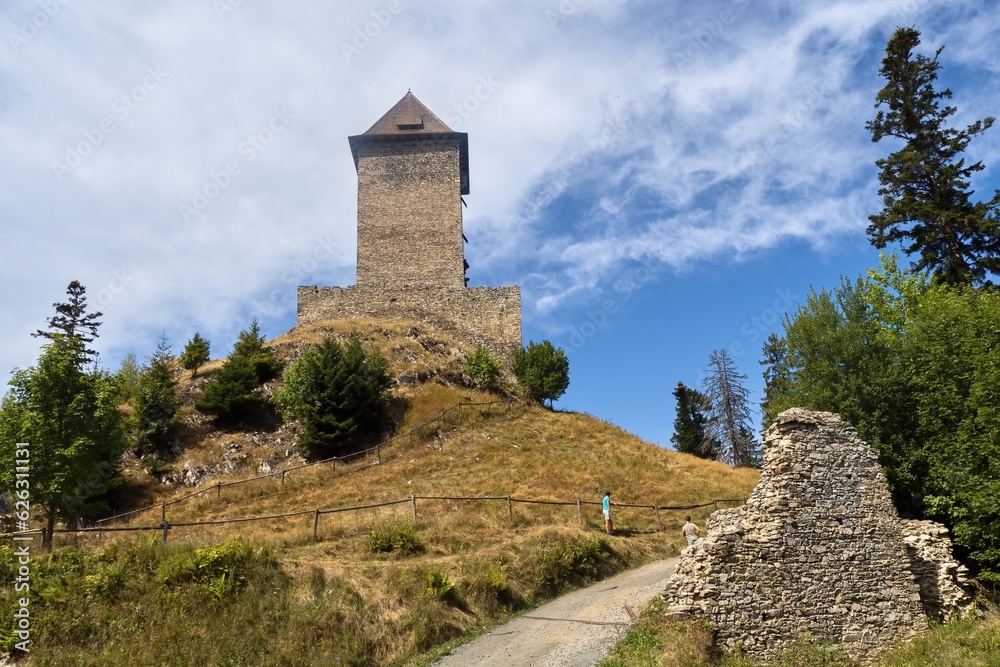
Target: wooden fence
column 164, row 527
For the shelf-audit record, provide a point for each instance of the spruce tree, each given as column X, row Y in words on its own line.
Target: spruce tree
column 196, row 353
column 154, row 421
column 925, row 184
column 691, row 424
column 730, row 417
column 338, row 393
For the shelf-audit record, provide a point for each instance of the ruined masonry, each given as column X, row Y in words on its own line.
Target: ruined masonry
column 817, row 552
column 412, row 172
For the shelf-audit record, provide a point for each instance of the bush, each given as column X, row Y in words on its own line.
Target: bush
column 482, row 368
column 397, row 537
column 541, row 370
column 338, row 393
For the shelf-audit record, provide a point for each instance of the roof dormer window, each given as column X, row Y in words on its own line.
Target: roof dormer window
column 412, row 126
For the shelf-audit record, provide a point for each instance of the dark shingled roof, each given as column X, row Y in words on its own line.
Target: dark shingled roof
column 412, row 115
column 410, row 120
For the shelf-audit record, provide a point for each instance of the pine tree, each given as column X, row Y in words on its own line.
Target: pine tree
column 730, row 418
column 925, row 185
column 233, row 393
column 195, row 354
column 72, row 319
column 691, row 424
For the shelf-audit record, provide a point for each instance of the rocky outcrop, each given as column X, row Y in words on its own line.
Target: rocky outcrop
column 818, row 551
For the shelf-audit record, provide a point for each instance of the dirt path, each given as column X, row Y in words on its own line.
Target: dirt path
column 575, row 630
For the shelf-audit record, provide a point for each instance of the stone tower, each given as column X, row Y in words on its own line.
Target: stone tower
column 412, row 172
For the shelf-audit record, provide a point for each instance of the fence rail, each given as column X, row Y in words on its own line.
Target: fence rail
column 166, row 526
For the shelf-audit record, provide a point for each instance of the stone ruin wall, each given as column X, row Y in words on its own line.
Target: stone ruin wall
column 478, row 316
column 817, row 551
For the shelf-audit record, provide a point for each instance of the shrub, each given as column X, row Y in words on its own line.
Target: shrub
column 397, row 537
column 482, row 367
column 541, row 370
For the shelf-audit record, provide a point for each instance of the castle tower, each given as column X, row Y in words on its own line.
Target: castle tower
column 412, row 172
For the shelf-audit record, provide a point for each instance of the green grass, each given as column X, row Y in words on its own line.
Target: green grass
column 655, row 641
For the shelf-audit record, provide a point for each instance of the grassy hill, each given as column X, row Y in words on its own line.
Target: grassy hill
column 373, row 589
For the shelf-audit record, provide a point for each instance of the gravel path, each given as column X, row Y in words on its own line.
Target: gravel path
column 575, row 630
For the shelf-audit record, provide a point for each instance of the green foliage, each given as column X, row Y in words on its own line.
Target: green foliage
column 339, row 393
column 438, row 585
column 68, row 414
column 562, row 561
column 155, row 466
column 925, row 185
column 691, row 424
column 541, row 370
column 196, row 353
column 250, row 344
column 482, row 368
column 915, row 367
column 233, row 393
column 155, row 404
column 127, row 379
column 222, row 570
column 400, row 538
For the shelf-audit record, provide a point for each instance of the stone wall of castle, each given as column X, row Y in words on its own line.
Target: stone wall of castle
column 410, row 215
column 817, row 551
column 478, row 316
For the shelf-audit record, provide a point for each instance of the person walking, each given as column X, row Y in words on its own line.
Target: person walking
column 609, row 525
column 690, row 531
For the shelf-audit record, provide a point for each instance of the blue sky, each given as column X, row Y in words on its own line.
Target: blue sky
column 662, row 179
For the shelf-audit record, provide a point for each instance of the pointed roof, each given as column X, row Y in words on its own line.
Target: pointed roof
column 409, row 120
column 408, row 116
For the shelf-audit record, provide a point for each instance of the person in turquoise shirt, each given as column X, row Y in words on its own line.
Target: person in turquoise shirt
column 609, row 525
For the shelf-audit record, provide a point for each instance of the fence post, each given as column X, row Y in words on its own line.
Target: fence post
column 163, row 511
column 166, row 527
column 579, row 512
column 378, row 452
column 715, row 505
column 510, row 510
column 218, row 490
column 659, row 525
column 283, row 477
column 315, row 523
column 413, row 503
